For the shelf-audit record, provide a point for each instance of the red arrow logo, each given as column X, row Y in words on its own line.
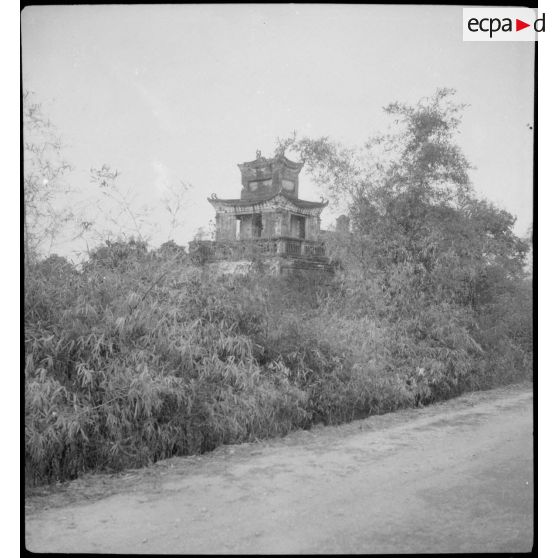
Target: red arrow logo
column 519, row 25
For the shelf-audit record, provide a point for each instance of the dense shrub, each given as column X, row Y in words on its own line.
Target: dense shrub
column 140, row 356
column 123, row 368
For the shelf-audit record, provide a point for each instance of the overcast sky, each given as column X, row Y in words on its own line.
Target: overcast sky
column 169, row 93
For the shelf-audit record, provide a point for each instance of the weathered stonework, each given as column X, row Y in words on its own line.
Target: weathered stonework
column 264, row 177
column 268, row 220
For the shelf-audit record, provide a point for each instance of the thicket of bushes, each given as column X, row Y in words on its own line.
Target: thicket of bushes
column 141, row 355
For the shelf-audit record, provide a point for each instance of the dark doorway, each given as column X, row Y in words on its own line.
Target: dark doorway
column 257, row 226
column 298, row 226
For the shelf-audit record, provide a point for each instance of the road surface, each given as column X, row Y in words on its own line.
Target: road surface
column 452, row 477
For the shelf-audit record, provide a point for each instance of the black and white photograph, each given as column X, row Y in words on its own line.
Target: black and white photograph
column 278, row 267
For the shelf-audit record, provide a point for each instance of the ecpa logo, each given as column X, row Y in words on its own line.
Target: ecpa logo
column 502, row 24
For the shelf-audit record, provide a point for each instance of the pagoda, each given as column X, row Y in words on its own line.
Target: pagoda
column 269, row 221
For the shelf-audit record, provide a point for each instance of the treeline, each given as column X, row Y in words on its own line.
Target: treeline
column 141, row 354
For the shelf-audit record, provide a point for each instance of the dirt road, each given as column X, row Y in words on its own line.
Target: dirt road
column 453, row 477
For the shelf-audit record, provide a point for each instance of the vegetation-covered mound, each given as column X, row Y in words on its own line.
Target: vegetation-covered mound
column 140, row 354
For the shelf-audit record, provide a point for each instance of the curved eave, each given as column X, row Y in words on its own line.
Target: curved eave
column 304, row 204
column 308, row 204
column 236, row 202
column 263, row 162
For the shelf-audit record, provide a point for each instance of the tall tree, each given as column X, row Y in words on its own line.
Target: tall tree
column 418, row 227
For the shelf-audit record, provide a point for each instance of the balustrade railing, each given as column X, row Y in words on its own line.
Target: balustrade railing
column 245, row 249
column 292, row 247
column 313, row 249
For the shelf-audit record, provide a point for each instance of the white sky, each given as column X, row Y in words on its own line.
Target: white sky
column 168, row 93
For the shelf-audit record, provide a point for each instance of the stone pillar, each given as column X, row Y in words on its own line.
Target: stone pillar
column 312, row 227
column 285, row 223
column 268, row 221
column 219, row 227
column 281, row 246
column 278, row 224
column 225, row 227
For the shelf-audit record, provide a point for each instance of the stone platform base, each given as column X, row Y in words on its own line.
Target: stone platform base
column 273, row 266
